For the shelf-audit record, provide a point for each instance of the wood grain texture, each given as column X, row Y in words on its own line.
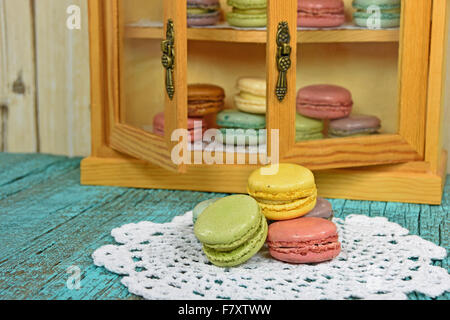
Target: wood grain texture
column 257, row 36
column 3, row 79
column 413, row 75
column 18, row 89
column 281, row 114
column 63, row 78
column 413, row 182
column 446, row 114
column 50, row 223
column 436, row 84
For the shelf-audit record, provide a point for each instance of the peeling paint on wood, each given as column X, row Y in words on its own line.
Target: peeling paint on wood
column 49, row 222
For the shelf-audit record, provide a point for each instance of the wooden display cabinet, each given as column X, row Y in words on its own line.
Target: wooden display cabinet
column 398, row 74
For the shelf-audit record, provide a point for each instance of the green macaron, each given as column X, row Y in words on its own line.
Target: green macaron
column 240, row 120
column 241, row 128
column 242, row 137
column 308, row 129
column 365, row 15
column 232, row 230
column 248, row 13
column 199, row 208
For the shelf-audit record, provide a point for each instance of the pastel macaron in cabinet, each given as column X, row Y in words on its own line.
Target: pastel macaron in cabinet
column 308, row 129
column 203, row 12
column 354, row 125
column 287, row 193
column 205, row 99
column 247, row 13
column 321, row 13
column 324, row 101
column 232, row 230
column 195, row 126
column 252, row 95
column 376, row 14
column 303, row 240
column 240, row 128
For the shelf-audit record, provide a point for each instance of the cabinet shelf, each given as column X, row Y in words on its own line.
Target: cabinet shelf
column 224, row 34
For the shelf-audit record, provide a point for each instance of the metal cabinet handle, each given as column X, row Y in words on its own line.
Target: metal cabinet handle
column 284, row 62
column 168, row 58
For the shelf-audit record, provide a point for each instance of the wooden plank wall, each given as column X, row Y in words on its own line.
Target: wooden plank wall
column 44, row 79
column 17, row 81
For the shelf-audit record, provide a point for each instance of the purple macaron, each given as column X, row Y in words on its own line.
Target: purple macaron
column 203, row 12
column 355, row 125
column 323, row 209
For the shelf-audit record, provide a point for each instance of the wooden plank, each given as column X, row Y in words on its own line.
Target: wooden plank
column 399, row 183
column 350, row 152
column 3, row 80
column 176, row 113
column 260, row 36
column 413, row 75
column 436, row 84
column 63, row 78
column 281, row 114
column 18, row 130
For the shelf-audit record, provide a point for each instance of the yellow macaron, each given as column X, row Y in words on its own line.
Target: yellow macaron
column 289, row 193
column 252, row 95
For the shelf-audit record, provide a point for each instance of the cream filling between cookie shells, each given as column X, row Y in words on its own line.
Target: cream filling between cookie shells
column 282, row 196
column 282, row 206
column 237, row 243
column 242, row 250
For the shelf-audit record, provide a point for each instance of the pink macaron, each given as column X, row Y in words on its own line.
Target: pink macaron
column 195, row 126
column 321, row 13
column 303, row 240
column 203, row 12
column 324, row 102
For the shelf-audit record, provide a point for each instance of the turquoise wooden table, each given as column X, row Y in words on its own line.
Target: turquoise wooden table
column 49, row 224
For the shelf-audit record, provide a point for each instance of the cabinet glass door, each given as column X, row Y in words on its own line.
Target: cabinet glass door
column 359, row 84
column 151, row 85
column 226, row 75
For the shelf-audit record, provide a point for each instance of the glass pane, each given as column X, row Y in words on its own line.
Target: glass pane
column 347, row 69
column 142, row 74
column 237, row 70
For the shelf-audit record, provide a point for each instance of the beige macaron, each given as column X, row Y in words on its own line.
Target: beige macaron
column 252, row 95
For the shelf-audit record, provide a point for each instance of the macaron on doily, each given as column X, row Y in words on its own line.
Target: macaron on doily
column 303, row 240
column 232, row 230
column 308, row 129
column 203, row 12
column 376, row 14
column 286, row 193
column 354, row 125
column 324, row 102
column 252, row 95
column 321, row 13
column 196, row 127
column 204, row 99
column 200, row 207
column 247, row 13
column 323, row 209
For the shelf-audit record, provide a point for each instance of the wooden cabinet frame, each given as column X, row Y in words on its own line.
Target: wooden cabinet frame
column 419, row 178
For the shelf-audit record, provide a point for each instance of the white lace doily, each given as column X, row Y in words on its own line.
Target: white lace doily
column 379, row 260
